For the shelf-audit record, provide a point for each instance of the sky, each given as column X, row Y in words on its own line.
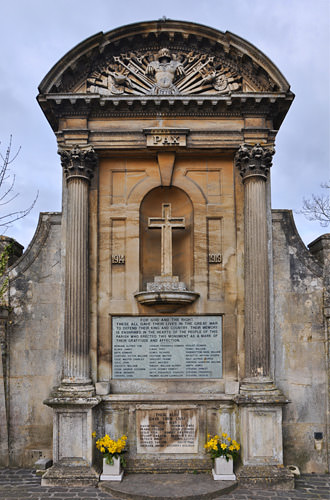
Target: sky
column 294, row 34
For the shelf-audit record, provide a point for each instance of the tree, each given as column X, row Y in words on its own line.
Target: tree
column 7, row 195
column 318, row 207
column 7, row 189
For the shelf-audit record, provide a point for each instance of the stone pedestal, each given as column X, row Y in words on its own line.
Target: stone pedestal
column 166, row 290
column 112, row 472
column 261, row 436
column 223, row 470
column 73, row 424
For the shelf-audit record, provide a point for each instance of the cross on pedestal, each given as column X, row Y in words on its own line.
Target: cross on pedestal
column 166, row 223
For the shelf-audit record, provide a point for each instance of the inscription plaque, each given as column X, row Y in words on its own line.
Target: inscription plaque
column 167, row 431
column 166, row 347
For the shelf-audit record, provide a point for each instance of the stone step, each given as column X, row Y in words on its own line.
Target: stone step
column 70, row 472
column 167, row 487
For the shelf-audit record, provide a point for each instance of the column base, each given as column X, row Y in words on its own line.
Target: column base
column 261, row 387
column 73, row 424
column 70, row 472
column 267, row 476
column 261, row 435
column 75, row 389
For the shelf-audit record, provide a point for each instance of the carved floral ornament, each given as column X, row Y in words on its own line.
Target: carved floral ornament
column 254, row 160
column 163, row 73
column 78, row 162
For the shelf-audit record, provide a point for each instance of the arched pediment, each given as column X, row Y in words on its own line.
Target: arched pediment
column 164, row 58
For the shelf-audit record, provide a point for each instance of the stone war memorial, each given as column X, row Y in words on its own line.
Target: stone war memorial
column 167, row 301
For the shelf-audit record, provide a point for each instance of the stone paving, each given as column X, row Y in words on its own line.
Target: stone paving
column 24, row 484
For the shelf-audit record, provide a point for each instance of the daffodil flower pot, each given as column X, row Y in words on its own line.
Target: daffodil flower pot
column 223, row 470
column 112, row 472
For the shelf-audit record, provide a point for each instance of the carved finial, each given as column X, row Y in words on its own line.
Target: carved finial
column 164, row 19
column 78, row 162
column 254, row 160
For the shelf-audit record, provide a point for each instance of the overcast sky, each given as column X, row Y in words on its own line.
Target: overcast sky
column 294, row 34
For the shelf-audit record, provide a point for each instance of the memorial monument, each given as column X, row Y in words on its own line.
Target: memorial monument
column 167, row 299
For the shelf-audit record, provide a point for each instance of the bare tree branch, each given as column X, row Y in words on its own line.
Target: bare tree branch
column 318, row 207
column 6, row 197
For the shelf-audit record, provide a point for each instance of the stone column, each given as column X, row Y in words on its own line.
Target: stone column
column 261, row 406
column 78, row 165
column 254, row 163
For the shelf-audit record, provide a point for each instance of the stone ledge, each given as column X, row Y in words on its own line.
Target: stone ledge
column 169, row 396
column 275, row 477
column 170, row 297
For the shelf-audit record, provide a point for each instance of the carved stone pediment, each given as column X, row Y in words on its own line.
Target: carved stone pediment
column 163, row 73
column 163, row 58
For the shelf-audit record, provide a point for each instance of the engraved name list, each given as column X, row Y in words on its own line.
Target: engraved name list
column 167, row 347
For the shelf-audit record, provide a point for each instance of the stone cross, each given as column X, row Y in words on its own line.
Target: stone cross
column 166, row 223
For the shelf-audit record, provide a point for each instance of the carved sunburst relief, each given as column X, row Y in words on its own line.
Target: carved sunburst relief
column 163, row 73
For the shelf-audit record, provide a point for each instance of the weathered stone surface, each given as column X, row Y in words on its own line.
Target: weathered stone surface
column 300, row 336
column 70, row 472
column 35, row 347
column 266, row 477
column 43, row 463
column 169, row 487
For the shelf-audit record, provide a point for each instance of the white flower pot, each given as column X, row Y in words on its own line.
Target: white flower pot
column 112, row 472
column 223, row 470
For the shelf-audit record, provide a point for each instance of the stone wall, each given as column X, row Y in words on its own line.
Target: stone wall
column 300, row 346
column 33, row 357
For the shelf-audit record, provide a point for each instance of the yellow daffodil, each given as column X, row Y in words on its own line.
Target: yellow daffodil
column 223, row 446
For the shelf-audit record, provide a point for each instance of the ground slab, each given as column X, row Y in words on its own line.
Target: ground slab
column 168, row 487
column 24, row 484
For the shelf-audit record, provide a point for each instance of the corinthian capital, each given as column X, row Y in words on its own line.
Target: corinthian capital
column 254, row 160
column 78, row 162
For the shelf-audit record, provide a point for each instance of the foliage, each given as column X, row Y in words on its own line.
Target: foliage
column 318, row 207
column 7, row 189
column 4, row 258
column 111, row 449
column 222, row 446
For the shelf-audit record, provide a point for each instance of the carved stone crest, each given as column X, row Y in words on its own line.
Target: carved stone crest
column 163, row 73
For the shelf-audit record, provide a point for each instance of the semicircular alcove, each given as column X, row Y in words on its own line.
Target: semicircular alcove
column 150, row 238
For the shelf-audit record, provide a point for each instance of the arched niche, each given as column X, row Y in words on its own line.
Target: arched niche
column 150, row 238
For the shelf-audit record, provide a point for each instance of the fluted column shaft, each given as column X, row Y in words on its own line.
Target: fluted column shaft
column 254, row 163
column 78, row 167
